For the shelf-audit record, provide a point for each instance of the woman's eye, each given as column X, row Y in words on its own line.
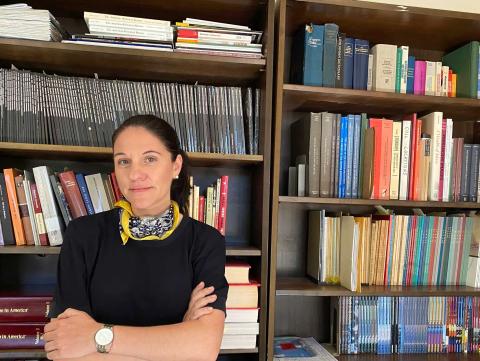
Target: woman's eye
column 123, row 162
column 150, row 159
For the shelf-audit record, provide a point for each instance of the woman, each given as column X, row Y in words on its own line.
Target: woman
column 135, row 267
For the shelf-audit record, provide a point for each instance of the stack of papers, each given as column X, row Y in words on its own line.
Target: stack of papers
column 21, row 21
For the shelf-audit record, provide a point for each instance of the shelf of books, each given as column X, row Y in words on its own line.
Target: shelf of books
column 72, row 76
column 375, row 181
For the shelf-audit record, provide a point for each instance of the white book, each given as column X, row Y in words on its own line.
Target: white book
column 241, row 328
column 251, row 48
column 384, row 67
column 395, row 163
column 405, row 160
column 97, row 192
column 370, row 66
column 438, row 245
column 448, row 160
column 215, row 24
column 113, row 45
column 134, row 33
column 31, row 212
column 432, row 124
column 430, row 78
column 163, row 28
column 230, row 342
column 301, row 180
column 242, row 315
column 473, row 272
column 196, row 201
column 349, row 253
column 445, row 70
column 51, row 213
column 438, row 78
column 125, row 19
column 404, row 69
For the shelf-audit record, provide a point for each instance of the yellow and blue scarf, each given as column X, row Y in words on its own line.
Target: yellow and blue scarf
column 146, row 228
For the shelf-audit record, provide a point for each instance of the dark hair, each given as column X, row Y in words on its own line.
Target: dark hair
column 180, row 189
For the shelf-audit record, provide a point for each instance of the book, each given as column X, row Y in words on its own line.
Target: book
column 22, row 308
column 21, row 336
column 237, row 272
column 242, row 314
column 307, row 53
column 243, row 295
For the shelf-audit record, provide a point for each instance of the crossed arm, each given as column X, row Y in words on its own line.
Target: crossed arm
column 71, row 336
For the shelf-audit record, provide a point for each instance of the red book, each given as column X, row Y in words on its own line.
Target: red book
column 187, row 33
column 24, row 309
column 201, row 208
column 222, row 216
column 382, row 157
column 21, row 335
column 37, row 208
column 116, row 188
column 72, row 194
column 23, row 209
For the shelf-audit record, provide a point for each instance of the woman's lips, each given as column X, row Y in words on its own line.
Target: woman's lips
column 139, row 190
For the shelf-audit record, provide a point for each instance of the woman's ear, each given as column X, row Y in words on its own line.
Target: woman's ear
column 177, row 166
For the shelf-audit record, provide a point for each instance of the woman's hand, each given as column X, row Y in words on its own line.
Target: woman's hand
column 199, row 299
column 70, row 335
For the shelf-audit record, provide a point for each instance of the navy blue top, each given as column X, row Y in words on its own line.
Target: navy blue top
column 142, row 283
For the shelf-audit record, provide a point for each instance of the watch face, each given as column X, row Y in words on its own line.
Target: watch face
column 104, row 336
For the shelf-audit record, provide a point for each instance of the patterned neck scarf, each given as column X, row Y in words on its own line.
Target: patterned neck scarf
column 146, row 228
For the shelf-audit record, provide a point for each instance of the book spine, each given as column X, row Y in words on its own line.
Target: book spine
column 465, row 173
column 398, row 71
column 430, row 77
column 37, row 207
column 84, row 193
column 405, row 160
column 23, row 209
column 349, row 157
column 448, row 160
column 356, row 156
column 443, row 145
column 360, row 64
column 72, row 193
column 410, row 74
column 313, row 55
column 201, row 209
column 438, row 78
column 5, row 218
column 21, row 309
column 404, row 70
column 473, row 169
column 14, row 209
column 370, row 72
column 21, row 336
column 395, row 164
column 348, row 63
column 330, row 55
column 325, row 154
column 339, row 60
column 223, row 204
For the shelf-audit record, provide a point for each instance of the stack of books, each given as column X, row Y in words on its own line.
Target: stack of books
column 125, row 32
column 21, row 21
column 210, row 37
column 22, row 320
column 241, row 324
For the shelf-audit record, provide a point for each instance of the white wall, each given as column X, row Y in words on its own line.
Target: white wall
column 469, row 6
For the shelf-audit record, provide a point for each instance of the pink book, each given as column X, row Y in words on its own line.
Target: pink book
column 419, row 77
column 442, row 160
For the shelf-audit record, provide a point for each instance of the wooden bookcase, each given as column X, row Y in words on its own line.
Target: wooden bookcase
column 297, row 306
column 249, row 188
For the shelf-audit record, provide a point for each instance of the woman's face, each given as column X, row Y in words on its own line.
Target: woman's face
column 144, row 170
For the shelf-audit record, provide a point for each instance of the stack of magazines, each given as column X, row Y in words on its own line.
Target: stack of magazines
column 210, row 37
column 21, row 21
column 125, row 32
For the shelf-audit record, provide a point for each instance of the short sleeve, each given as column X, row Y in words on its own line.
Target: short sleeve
column 209, row 263
column 72, row 284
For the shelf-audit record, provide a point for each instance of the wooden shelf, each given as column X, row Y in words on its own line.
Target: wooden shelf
column 231, row 251
column 373, row 202
column 311, row 98
column 48, row 151
column 134, row 64
column 363, row 20
column 39, row 353
column 302, row 286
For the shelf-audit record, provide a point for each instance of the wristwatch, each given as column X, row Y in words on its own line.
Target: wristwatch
column 103, row 338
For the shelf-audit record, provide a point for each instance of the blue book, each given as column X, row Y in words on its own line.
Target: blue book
column 423, row 249
column 349, row 167
column 410, row 74
column 330, row 55
column 343, row 156
column 348, row 63
column 360, row 64
column 427, row 258
column 418, row 249
column 84, row 192
column 307, row 55
column 291, row 347
column 356, row 156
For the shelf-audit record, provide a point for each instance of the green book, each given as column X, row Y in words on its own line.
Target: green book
column 398, row 76
column 464, row 62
